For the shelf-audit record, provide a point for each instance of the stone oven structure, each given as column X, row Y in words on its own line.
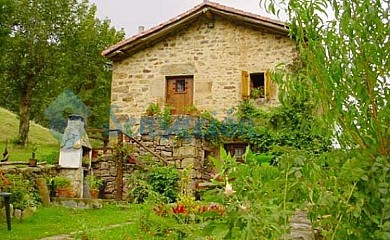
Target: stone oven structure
column 75, row 148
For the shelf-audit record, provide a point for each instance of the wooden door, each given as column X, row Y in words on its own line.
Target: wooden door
column 179, row 93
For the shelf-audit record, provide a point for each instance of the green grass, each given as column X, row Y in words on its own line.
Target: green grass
column 51, row 221
column 113, row 221
column 38, row 135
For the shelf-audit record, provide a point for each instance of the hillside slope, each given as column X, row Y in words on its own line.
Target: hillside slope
column 9, row 125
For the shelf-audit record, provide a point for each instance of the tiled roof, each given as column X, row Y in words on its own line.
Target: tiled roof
column 271, row 23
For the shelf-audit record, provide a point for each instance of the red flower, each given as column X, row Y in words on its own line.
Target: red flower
column 179, row 209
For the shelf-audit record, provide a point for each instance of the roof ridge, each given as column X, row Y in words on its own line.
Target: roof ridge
column 205, row 3
column 239, row 11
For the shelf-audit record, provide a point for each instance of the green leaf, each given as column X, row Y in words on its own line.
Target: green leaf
column 386, row 226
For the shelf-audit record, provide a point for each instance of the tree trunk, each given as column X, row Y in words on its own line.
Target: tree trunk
column 24, row 111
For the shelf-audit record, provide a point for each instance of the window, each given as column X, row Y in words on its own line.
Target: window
column 180, row 85
column 256, row 85
column 236, row 150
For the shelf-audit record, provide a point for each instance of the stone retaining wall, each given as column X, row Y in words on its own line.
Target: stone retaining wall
column 41, row 171
column 177, row 152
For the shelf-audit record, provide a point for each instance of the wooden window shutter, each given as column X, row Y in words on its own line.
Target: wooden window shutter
column 267, row 85
column 245, row 85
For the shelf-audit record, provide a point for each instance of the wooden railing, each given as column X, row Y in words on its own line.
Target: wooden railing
column 121, row 136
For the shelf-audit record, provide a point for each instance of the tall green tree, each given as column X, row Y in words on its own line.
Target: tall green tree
column 343, row 66
column 5, row 29
column 54, row 45
column 5, row 11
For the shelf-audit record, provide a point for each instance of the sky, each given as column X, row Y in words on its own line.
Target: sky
column 129, row 14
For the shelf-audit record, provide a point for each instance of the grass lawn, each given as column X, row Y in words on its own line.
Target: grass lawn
column 113, row 221
column 94, row 223
column 22, row 154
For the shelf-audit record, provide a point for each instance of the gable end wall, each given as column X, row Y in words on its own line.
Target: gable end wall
column 215, row 57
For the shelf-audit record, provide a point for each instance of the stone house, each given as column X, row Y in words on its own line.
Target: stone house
column 210, row 57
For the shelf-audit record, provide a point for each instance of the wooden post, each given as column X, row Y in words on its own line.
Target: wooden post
column 119, row 169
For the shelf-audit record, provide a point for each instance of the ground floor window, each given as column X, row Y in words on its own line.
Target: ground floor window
column 236, row 149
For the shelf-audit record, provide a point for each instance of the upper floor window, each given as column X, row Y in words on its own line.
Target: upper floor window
column 255, row 85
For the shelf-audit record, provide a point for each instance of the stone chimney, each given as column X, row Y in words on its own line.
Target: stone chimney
column 141, row 29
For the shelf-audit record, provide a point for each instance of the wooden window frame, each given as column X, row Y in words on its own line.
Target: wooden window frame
column 247, row 84
column 183, row 81
column 231, row 148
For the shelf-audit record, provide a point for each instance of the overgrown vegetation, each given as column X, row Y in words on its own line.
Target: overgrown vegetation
column 24, row 195
column 343, row 69
column 153, row 183
column 293, row 126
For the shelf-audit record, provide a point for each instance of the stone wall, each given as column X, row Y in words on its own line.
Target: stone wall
column 45, row 171
column 168, row 149
column 179, row 153
column 41, row 170
column 215, row 57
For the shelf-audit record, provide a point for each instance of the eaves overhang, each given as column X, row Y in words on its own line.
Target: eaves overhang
column 147, row 38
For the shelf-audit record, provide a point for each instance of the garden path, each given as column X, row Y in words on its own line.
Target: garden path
column 70, row 236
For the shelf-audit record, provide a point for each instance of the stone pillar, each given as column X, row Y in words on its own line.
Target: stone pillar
column 76, row 177
column 43, row 191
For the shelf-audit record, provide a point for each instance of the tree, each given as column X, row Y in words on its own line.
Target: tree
column 54, row 45
column 344, row 66
column 5, row 10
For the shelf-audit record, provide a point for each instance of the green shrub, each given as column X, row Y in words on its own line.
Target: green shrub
column 138, row 188
column 164, row 180
column 153, row 109
column 94, row 182
column 61, row 182
column 24, row 194
column 50, row 158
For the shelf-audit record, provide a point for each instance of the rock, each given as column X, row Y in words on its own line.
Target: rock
column 301, row 228
column 184, row 151
column 18, row 213
column 104, row 166
column 27, row 213
column 43, row 191
column 166, row 154
column 186, row 162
